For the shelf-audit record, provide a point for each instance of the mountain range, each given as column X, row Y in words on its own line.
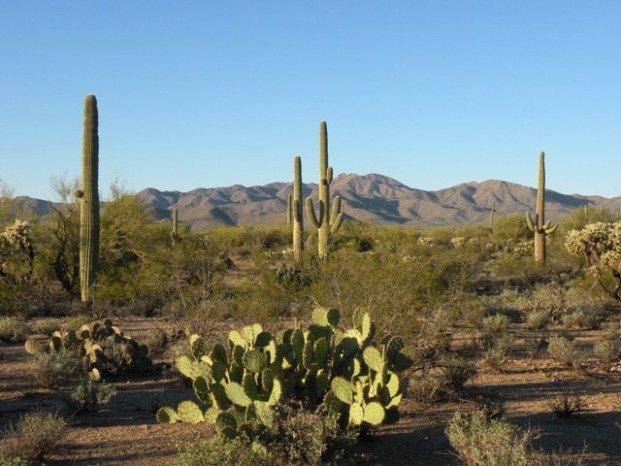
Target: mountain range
column 372, row 198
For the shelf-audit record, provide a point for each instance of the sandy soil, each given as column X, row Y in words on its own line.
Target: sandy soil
column 126, row 432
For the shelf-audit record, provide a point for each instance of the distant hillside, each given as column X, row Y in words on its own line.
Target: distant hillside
column 370, row 198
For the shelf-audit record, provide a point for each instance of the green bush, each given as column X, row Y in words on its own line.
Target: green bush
column 13, row 329
column 563, row 350
column 538, row 320
column 91, row 395
column 607, row 352
column 305, row 437
column 54, row 369
column 219, row 451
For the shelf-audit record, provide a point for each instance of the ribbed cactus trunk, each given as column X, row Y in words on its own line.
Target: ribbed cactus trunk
column 540, row 227
column 174, row 234
column 325, row 178
column 89, row 200
column 329, row 220
column 540, row 236
column 297, row 219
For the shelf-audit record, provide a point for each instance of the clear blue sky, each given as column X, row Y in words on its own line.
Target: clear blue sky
column 204, row 93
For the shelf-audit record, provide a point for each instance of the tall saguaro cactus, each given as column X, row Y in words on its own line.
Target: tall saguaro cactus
column 540, row 227
column 89, row 200
column 491, row 217
column 294, row 214
column 174, row 234
column 329, row 220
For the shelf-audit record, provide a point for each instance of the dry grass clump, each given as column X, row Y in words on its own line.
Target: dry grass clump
column 481, row 440
column 36, row 435
column 13, row 329
column 567, row 405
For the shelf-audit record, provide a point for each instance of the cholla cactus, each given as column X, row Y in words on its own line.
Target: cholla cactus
column 458, row 242
column 16, row 250
column 425, row 241
column 524, row 248
column 600, row 244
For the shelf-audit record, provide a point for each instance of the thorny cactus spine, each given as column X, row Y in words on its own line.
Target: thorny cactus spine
column 295, row 210
column 328, row 220
column 540, row 227
column 89, row 200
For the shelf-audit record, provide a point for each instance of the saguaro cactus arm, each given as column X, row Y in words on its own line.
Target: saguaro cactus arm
column 289, row 212
column 336, row 218
column 310, row 213
column 529, row 222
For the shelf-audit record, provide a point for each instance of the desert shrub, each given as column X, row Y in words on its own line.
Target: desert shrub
column 498, row 354
column 538, row 320
column 534, row 346
column 566, row 405
column 306, row 437
column 606, row 351
column 74, row 323
column 613, row 331
column 493, row 327
column 426, row 389
column 546, row 299
column 35, row 435
column 294, row 277
column 91, row 396
column 583, row 318
column 54, row 369
column 483, row 441
column 456, row 372
column 13, row 461
column 45, row 326
column 563, row 350
column 219, row 450
column 13, row 329
column 158, row 340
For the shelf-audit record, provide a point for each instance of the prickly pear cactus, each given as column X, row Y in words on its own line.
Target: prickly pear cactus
column 344, row 370
column 103, row 349
column 238, row 389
